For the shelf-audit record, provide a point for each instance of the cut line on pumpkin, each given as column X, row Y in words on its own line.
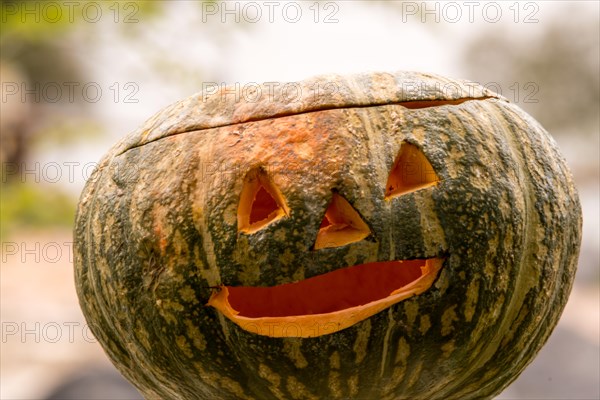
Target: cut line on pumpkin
column 413, row 105
column 325, row 303
column 261, row 202
column 411, row 171
column 341, row 225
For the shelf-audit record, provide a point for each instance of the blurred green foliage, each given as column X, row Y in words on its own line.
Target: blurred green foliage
column 28, row 206
column 34, row 20
column 34, row 34
column 32, row 40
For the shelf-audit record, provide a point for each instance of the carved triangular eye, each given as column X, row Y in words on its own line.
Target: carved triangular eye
column 341, row 225
column 411, row 171
column 261, row 203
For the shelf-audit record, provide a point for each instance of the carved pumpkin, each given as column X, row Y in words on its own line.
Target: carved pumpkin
column 394, row 236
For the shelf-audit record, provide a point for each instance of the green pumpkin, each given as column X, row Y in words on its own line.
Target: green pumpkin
column 374, row 236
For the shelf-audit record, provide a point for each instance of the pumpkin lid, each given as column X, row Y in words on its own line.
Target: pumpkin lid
column 226, row 105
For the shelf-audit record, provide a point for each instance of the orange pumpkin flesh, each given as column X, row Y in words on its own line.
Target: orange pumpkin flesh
column 260, row 203
column 341, row 225
column 326, row 303
column 411, row 171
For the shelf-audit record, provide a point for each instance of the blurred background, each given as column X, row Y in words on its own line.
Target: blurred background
column 76, row 76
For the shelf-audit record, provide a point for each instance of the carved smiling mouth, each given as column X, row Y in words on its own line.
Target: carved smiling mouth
column 325, row 303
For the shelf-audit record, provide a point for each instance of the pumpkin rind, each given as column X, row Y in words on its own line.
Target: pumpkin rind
column 156, row 228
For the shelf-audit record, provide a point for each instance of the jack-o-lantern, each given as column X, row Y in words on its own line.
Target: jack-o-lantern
column 377, row 236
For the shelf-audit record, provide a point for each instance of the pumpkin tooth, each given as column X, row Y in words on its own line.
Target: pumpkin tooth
column 337, row 299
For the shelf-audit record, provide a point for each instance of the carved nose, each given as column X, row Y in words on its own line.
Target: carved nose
column 341, row 225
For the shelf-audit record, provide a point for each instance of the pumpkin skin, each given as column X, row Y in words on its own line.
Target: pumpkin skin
column 156, row 232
